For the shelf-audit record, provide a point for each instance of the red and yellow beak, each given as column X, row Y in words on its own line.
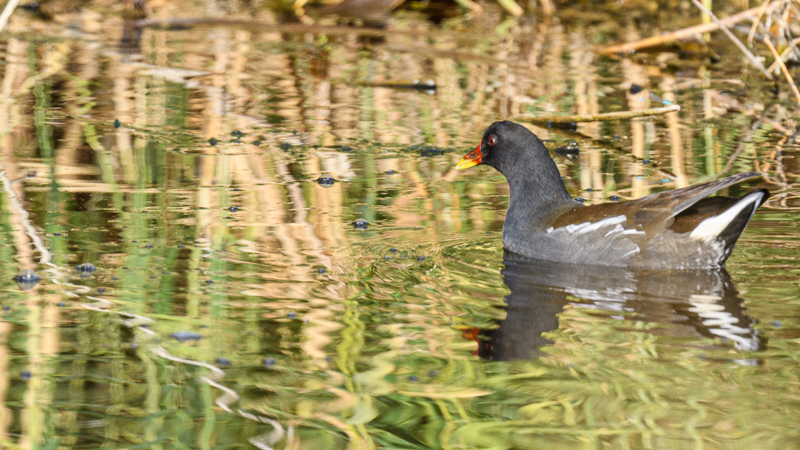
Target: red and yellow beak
column 472, row 158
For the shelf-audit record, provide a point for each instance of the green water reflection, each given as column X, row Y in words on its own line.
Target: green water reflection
column 236, row 305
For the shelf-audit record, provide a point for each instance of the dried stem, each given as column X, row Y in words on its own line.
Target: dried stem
column 740, row 148
column 686, row 32
column 7, row 11
column 783, row 68
column 735, row 40
column 762, row 10
column 604, row 117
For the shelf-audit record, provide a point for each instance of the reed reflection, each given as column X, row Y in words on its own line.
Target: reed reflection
column 705, row 301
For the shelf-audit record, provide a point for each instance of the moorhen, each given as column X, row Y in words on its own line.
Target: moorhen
column 678, row 229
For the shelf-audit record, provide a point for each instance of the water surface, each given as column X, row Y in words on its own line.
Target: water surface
column 242, row 299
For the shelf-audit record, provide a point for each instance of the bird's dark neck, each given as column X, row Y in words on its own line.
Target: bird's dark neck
column 537, row 192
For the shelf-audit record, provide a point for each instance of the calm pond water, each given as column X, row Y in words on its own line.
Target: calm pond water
column 216, row 179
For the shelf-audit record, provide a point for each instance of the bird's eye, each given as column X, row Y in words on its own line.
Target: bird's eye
column 492, row 140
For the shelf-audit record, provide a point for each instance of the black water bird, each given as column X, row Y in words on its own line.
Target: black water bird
column 678, row 229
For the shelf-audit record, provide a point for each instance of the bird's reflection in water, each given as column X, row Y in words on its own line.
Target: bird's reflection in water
column 705, row 300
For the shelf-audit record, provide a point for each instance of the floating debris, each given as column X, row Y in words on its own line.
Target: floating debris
column 27, row 279
column 427, row 150
column 656, row 98
column 427, row 86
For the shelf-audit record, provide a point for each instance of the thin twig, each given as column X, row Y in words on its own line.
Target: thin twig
column 762, row 9
column 684, row 33
column 7, row 11
column 740, row 148
column 774, row 66
column 604, row 117
column 735, row 40
column 783, row 68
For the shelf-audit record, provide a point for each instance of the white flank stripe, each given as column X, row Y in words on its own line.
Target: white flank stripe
column 587, row 227
column 714, row 225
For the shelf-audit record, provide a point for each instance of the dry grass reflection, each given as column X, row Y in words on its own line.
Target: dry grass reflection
column 235, row 300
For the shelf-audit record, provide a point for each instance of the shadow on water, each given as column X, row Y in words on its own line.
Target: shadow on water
column 705, row 301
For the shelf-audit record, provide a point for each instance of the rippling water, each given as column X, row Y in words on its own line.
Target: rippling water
column 283, row 256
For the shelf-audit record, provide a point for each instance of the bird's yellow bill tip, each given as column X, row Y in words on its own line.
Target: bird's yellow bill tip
column 472, row 158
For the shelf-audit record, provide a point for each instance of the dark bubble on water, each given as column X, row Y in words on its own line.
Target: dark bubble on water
column 27, row 279
column 183, row 336
column 223, row 362
column 360, row 224
column 269, row 362
column 86, row 268
column 326, row 181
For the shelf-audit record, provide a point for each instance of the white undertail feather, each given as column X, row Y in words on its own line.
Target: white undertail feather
column 712, row 227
